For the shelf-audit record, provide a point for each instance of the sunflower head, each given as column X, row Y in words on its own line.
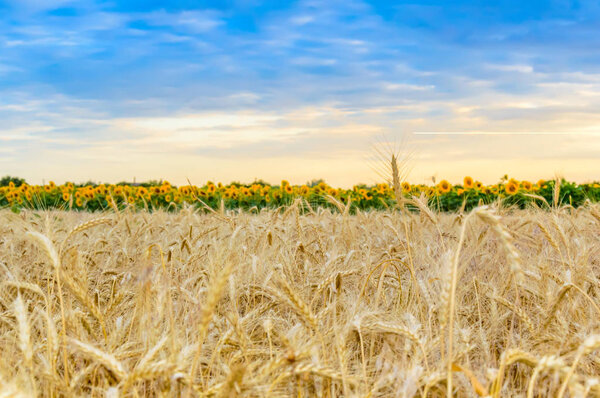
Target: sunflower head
column 444, row 186
column 405, row 187
column 288, row 189
column 526, row 185
column 511, row 188
column 468, row 182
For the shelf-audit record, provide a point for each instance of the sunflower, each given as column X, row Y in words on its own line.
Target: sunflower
column 468, row 182
column 444, row 186
column 131, row 199
column 66, row 196
column 511, row 188
column 284, row 183
column 304, row 190
column 211, row 189
column 460, row 191
column 540, row 183
column 405, row 187
column 168, row 198
column 478, row 184
column 526, row 185
column 288, row 189
column 79, row 202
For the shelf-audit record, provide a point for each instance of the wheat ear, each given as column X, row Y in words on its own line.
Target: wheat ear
column 106, row 359
column 53, row 255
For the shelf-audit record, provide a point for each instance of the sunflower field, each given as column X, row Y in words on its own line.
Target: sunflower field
column 441, row 196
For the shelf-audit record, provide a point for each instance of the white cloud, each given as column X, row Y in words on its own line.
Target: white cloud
column 511, row 68
column 190, row 21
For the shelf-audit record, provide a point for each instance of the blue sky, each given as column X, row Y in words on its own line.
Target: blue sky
column 237, row 90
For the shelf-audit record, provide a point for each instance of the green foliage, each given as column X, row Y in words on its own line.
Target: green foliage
column 6, row 180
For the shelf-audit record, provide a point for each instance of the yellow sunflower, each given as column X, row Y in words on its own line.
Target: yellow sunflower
column 444, row 186
column 288, row 189
column 511, row 188
column 405, row 187
column 468, row 182
column 526, row 185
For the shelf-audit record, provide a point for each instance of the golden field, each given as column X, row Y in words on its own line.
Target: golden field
column 283, row 303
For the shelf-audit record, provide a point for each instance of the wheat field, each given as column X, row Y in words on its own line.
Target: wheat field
column 288, row 303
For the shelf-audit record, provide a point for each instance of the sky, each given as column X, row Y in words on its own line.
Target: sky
column 241, row 90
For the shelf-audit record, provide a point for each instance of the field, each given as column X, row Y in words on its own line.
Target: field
column 441, row 196
column 288, row 304
column 284, row 303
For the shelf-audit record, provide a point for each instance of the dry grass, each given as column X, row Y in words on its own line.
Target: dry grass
column 285, row 304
